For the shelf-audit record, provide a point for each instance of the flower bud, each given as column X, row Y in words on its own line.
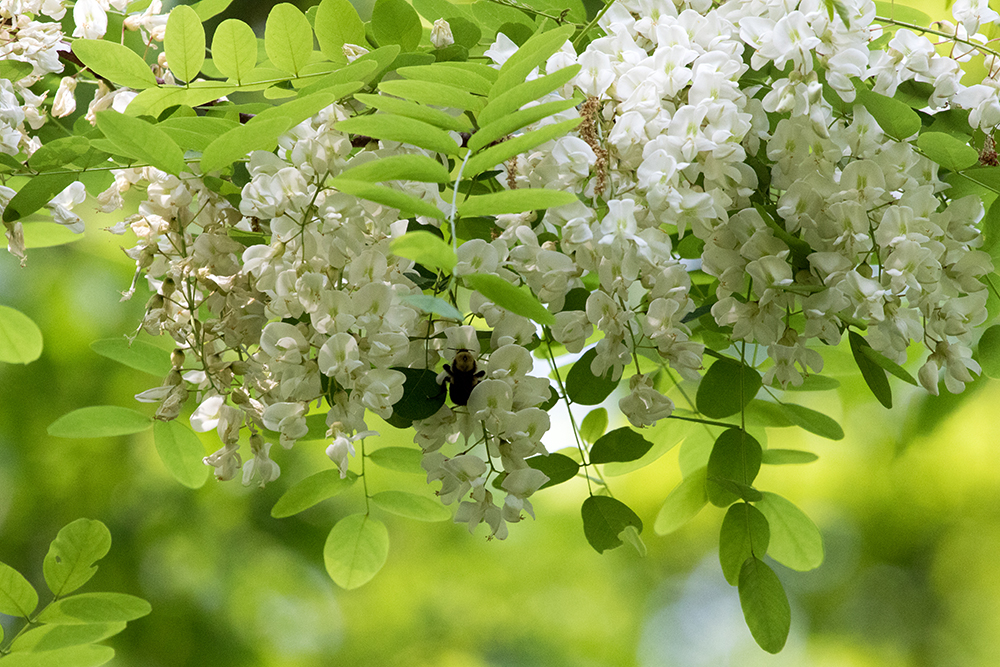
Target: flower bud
column 65, row 101
column 441, row 34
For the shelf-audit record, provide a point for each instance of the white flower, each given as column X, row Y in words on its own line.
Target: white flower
column 441, row 34
column 65, row 101
column 90, row 18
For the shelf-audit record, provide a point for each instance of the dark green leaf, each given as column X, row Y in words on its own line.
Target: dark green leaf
column 114, row 62
column 515, row 299
column 58, row 152
column 683, row 503
column 888, row 364
column 726, row 389
column 622, row 444
column 313, row 489
column 735, row 457
column 765, row 605
column 422, row 395
column 288, row 38
column 604, row 519
column 813, row 421
column 989, row 352
column 558, row 468
column 396, row 22
column 787, row 457
column 873, row 374
column 140, row 140
column 356, row 549
column 583, row 387
column 896, row 118
column 744, row 534
column 70, row 560
column 99, row 421
column 20, row 337
column 35, row 194
column 182, row 453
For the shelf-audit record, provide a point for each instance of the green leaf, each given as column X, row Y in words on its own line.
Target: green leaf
column 683, row 503
column 735, row 457
column 727, row 387
column 583, row 387
column 452, row 76
column 665, row 435
column 58, row 152
column 391, row 197
column 312, row 490
column 744, row 534
column 815, row 383
column 206, row 9
column 154, row 101
column 99, row 421
column 900, row 12
column 396, row 22
column 509, row 101
column 238, row 142
column 288, row 38
column 515, row 299
column 795, row 540
column 432, row 304
column 184, row 42
column 765, row 605
column 55, row 637
column 411, row 506
column 533, row 53
column 558, row 468
column 390, row 127
column 137, row 354
column 234, row 49
column 503, row 151
column 422, row 395
column 14, row 70
column 17, row 596
column 438, row 94
column 140, row 140
column 510, row 123
column 604, row 519
column 114, row 62
column 400, row 459
column 419, row 112
column 514, row 201
column 888, row 364
column 594, row 425
column 69, row 563
column 622, row 444
column 989, row 351
column 20, row 337
column 813, row 421
column 895, row 118
column 441, row 9
column 85, row 655
column 400, row 168
column 873, row 374
column 948, row 151
column 355, row 550
column 426, row 249
column 95, row 608
column 182, row 453
column 35, row 194
column 786, row 457
column 337, row 23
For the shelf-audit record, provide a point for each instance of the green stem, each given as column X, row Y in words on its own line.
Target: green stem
column 939, row 33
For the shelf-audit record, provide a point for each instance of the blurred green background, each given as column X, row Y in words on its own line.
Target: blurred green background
column 908, row 503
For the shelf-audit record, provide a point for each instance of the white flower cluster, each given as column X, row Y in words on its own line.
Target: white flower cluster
column 701, row 124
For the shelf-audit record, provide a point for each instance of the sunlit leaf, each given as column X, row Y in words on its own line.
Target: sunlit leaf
column 70, row 560
column 449, row 75
column 533, row 53
column 99, row 421
column 438, row 94
column 989, row 351
column 84, row 655
column 337, row 23
column 400, row 167
column 114, row 62
column 20, row 337
column 356, row 550
column 594, row 425
column 35, row 194
column 948, row 151
column 182, row 453
column 896, row 118
column 795, row 540
column 400, row 459
column 95, row 608
column 17, row 596
column 14, row 70
column 787, row 457
column 517, row 300
column 396, row 22
column 184, row 43
column 234, row 49
column 744, row 534
column 142, row 141
column 136, row 354
column 503, row 151
column 426, row 249
column 52, row 638
column 419, row 112
column 514, row 201
column 288, row 38
column 206, row 9
column 313, row 489
column 392, row 127
column 683, row 503
column 240, row 141
column 411, row 506
column 510, row 123
column 527, row 91
column 813, row 421
column 765, row 605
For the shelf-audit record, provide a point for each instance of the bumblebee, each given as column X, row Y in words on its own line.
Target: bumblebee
column 461, row 374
